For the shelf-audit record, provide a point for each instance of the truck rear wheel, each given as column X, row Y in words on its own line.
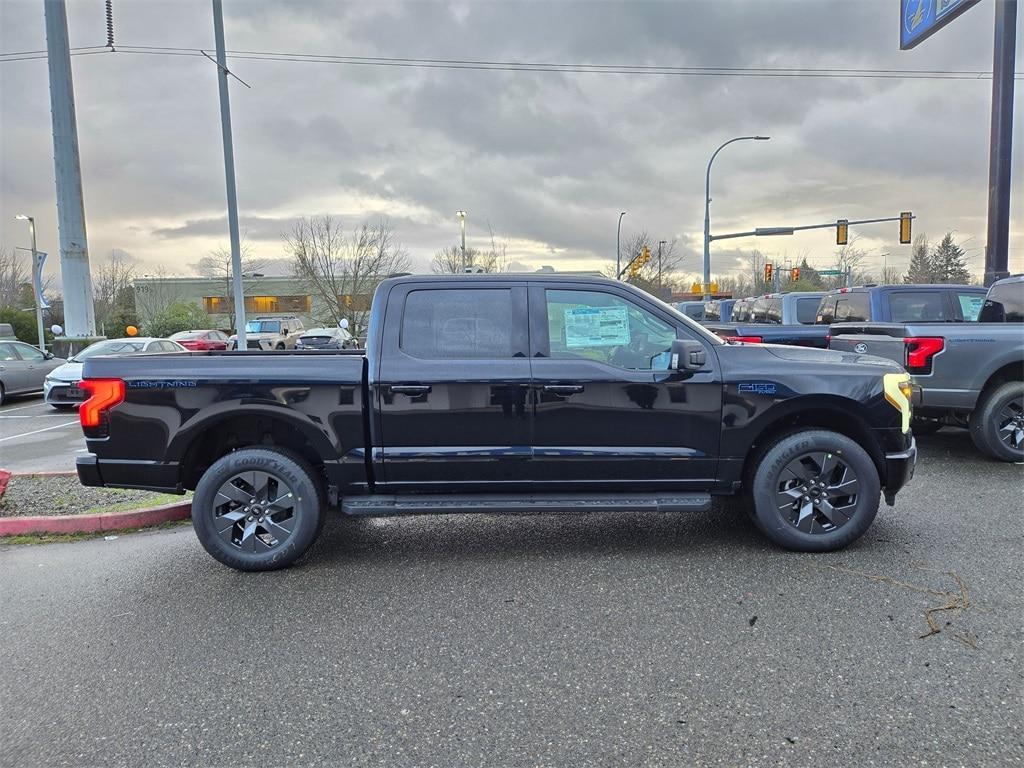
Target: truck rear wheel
column 814, row 491
column 258, row 509
column 997, row 424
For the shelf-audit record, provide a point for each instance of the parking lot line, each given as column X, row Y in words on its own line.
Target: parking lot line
column 22, row 407
column 37, row 431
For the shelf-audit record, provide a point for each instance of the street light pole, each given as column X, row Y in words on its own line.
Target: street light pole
column 462, row 225
column 707, row 211
column 618, row 248
column 39, row 299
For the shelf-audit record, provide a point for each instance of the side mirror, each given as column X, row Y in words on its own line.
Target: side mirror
column 688, row 355
column 285, row 331
column 48, row 355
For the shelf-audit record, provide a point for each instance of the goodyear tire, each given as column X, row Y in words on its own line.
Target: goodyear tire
column 814, row 491
column 258, row 509
column 997, row 424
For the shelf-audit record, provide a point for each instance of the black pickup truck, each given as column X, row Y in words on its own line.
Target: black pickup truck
column 503, row 394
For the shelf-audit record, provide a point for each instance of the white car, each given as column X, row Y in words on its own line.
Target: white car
column 61, row 390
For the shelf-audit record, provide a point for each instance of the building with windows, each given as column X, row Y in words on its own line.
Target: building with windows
column 263, row 296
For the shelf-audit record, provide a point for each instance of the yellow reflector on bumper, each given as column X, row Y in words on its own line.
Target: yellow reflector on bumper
column 898, row 391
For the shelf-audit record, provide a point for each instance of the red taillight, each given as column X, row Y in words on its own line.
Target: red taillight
column 920, row 350
column 104, row 394
column 745, row 339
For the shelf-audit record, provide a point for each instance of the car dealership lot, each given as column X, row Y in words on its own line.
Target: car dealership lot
column 464, row 640
column 35, row 437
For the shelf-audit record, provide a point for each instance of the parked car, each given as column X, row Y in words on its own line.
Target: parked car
column 901, row 304
column 7, row 332
column 971, row 374
column 201, row 341
column 61, row 388
column 504, row 393
column 278, row 332
column 776, row 318
column 23, row 368
column 692, row 309
column 325, row 338
column 719, row 310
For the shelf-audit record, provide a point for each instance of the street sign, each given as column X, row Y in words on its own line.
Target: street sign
column 37, row 280
column 829, row 272
column 920, row 19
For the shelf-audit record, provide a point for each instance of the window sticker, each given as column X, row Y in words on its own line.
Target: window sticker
column 971, row 306
column 596, row 327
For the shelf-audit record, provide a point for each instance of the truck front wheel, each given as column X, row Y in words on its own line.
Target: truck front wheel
column 814, row 491
column 258, row 509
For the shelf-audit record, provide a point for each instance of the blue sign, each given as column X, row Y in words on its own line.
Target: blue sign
column 923, row 18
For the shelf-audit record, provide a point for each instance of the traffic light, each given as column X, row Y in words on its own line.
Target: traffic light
column 767, row 273
column 905, row 218
column 842, row 231
column 638, row 263
column 794, row 274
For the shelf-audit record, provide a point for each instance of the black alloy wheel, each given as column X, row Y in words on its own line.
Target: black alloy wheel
column 817, row 492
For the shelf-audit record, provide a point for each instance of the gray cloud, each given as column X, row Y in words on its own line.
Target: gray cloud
column 547, row 158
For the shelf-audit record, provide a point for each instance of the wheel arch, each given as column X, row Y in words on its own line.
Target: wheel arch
column 839, row 414
column 251, row 427
column 1012, row 371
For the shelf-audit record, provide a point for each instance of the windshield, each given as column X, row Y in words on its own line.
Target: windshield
column 112, row 347
column 263, row 326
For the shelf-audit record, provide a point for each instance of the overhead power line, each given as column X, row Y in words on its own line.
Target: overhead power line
column 544, row 67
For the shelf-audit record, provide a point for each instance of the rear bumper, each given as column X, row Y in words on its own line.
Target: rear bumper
column 144, row 475
column 62, row 393
column 899, row 470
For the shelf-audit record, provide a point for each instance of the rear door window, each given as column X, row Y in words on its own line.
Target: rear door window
column 918, row 307
column 853, row 308
column 7, row 353
column 459, row 324
column 806, row 310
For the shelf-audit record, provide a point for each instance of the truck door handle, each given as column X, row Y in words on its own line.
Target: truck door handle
column 409, row 389
column 563, row 389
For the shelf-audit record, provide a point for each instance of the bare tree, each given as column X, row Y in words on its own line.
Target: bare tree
column 114, row 292
column 153, row 296
column 342, row 270
column 448, row 261
column 657, row 275
column 216, row 265
column 14, row 275
column 849, row 258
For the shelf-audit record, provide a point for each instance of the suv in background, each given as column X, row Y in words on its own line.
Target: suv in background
column 901, row 304
column 277, row 332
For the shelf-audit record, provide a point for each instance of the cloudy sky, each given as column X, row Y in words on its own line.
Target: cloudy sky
column 547, row 159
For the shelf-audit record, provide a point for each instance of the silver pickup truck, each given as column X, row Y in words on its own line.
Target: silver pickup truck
column 971, row 374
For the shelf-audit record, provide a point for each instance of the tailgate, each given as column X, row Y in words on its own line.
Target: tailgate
column 879, row 339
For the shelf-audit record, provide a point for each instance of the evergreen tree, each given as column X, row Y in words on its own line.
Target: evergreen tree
column 921, row 268
column 949, row 263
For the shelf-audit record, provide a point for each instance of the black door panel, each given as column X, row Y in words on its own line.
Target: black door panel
column 441, row 429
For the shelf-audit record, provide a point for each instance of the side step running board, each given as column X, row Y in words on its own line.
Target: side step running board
column 526, row 503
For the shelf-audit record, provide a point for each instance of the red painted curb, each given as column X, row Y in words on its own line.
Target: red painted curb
column 97, row 523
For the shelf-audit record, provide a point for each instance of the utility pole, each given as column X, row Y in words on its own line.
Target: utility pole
column 229, row 176
column 79, row 312
column 1001, row 142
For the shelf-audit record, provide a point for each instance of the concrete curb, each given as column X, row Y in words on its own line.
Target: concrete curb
column 95, row 523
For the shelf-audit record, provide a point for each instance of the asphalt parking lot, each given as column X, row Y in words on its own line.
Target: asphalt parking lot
column 37, row 438
column 466, row 640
